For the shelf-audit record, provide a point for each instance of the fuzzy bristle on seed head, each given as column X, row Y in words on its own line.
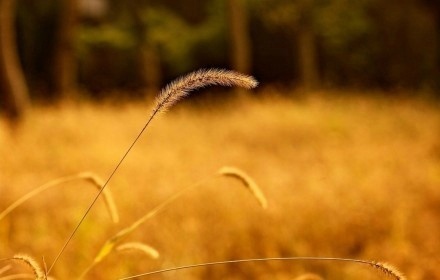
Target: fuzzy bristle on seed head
column 389, row 270
column 247, row 181
column 29, row 261
column 182, row 86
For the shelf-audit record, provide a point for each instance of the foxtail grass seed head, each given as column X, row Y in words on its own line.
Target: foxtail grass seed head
column 139, row 246
column 182, row 86
column 248, row 182
column 30, row 262
column 389, row 270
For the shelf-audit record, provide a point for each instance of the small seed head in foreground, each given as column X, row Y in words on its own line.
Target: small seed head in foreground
column 30, row 262
column 141, row 247
column 247, row 181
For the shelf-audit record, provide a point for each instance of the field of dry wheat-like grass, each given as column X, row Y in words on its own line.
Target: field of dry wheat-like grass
column 352, row 177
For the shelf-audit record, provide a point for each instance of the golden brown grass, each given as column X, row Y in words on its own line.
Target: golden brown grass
column 331, row 167
column 87, row 176
column 112, row 242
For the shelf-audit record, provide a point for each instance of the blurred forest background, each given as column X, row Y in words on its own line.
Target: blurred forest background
column 343, row 134
column 51, row 49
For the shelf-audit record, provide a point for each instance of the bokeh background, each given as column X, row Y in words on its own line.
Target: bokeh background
column 342, row 135
column 104, row 48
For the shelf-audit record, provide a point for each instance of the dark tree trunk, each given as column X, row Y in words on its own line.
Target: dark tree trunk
column 434, row 7
column 149, row 66
column 150, row 70
column 307, row 57
column 13, row 89
column 65, row 67
column 239, row 36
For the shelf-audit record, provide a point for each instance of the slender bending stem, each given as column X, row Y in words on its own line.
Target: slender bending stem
column 168, row 97
column 99, row 193
column 247, row 261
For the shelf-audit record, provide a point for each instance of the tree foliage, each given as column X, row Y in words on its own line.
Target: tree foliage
column 365, row 43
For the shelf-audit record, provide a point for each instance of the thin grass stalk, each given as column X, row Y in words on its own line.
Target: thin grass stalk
column 107, row 195
column 172, row 93
column 387, row 270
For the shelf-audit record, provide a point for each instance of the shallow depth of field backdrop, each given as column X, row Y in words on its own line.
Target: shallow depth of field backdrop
column 342, row 135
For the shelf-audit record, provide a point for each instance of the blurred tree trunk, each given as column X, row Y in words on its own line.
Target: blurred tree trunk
column 437, row 42
column 13, row 89
column 434, row 7
column 64, row 75
column 307, row 56
column 239, row 36
column 150, row 69
column 149, row 66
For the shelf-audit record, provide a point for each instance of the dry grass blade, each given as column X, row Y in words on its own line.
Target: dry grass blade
column 139, row 246
column 18, row 276
column 4, row 269
column 199, row 79
column 247, row 181
column 30, row 262
column 88, row 176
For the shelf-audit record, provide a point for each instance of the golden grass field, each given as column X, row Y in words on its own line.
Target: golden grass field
column 349, row 176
